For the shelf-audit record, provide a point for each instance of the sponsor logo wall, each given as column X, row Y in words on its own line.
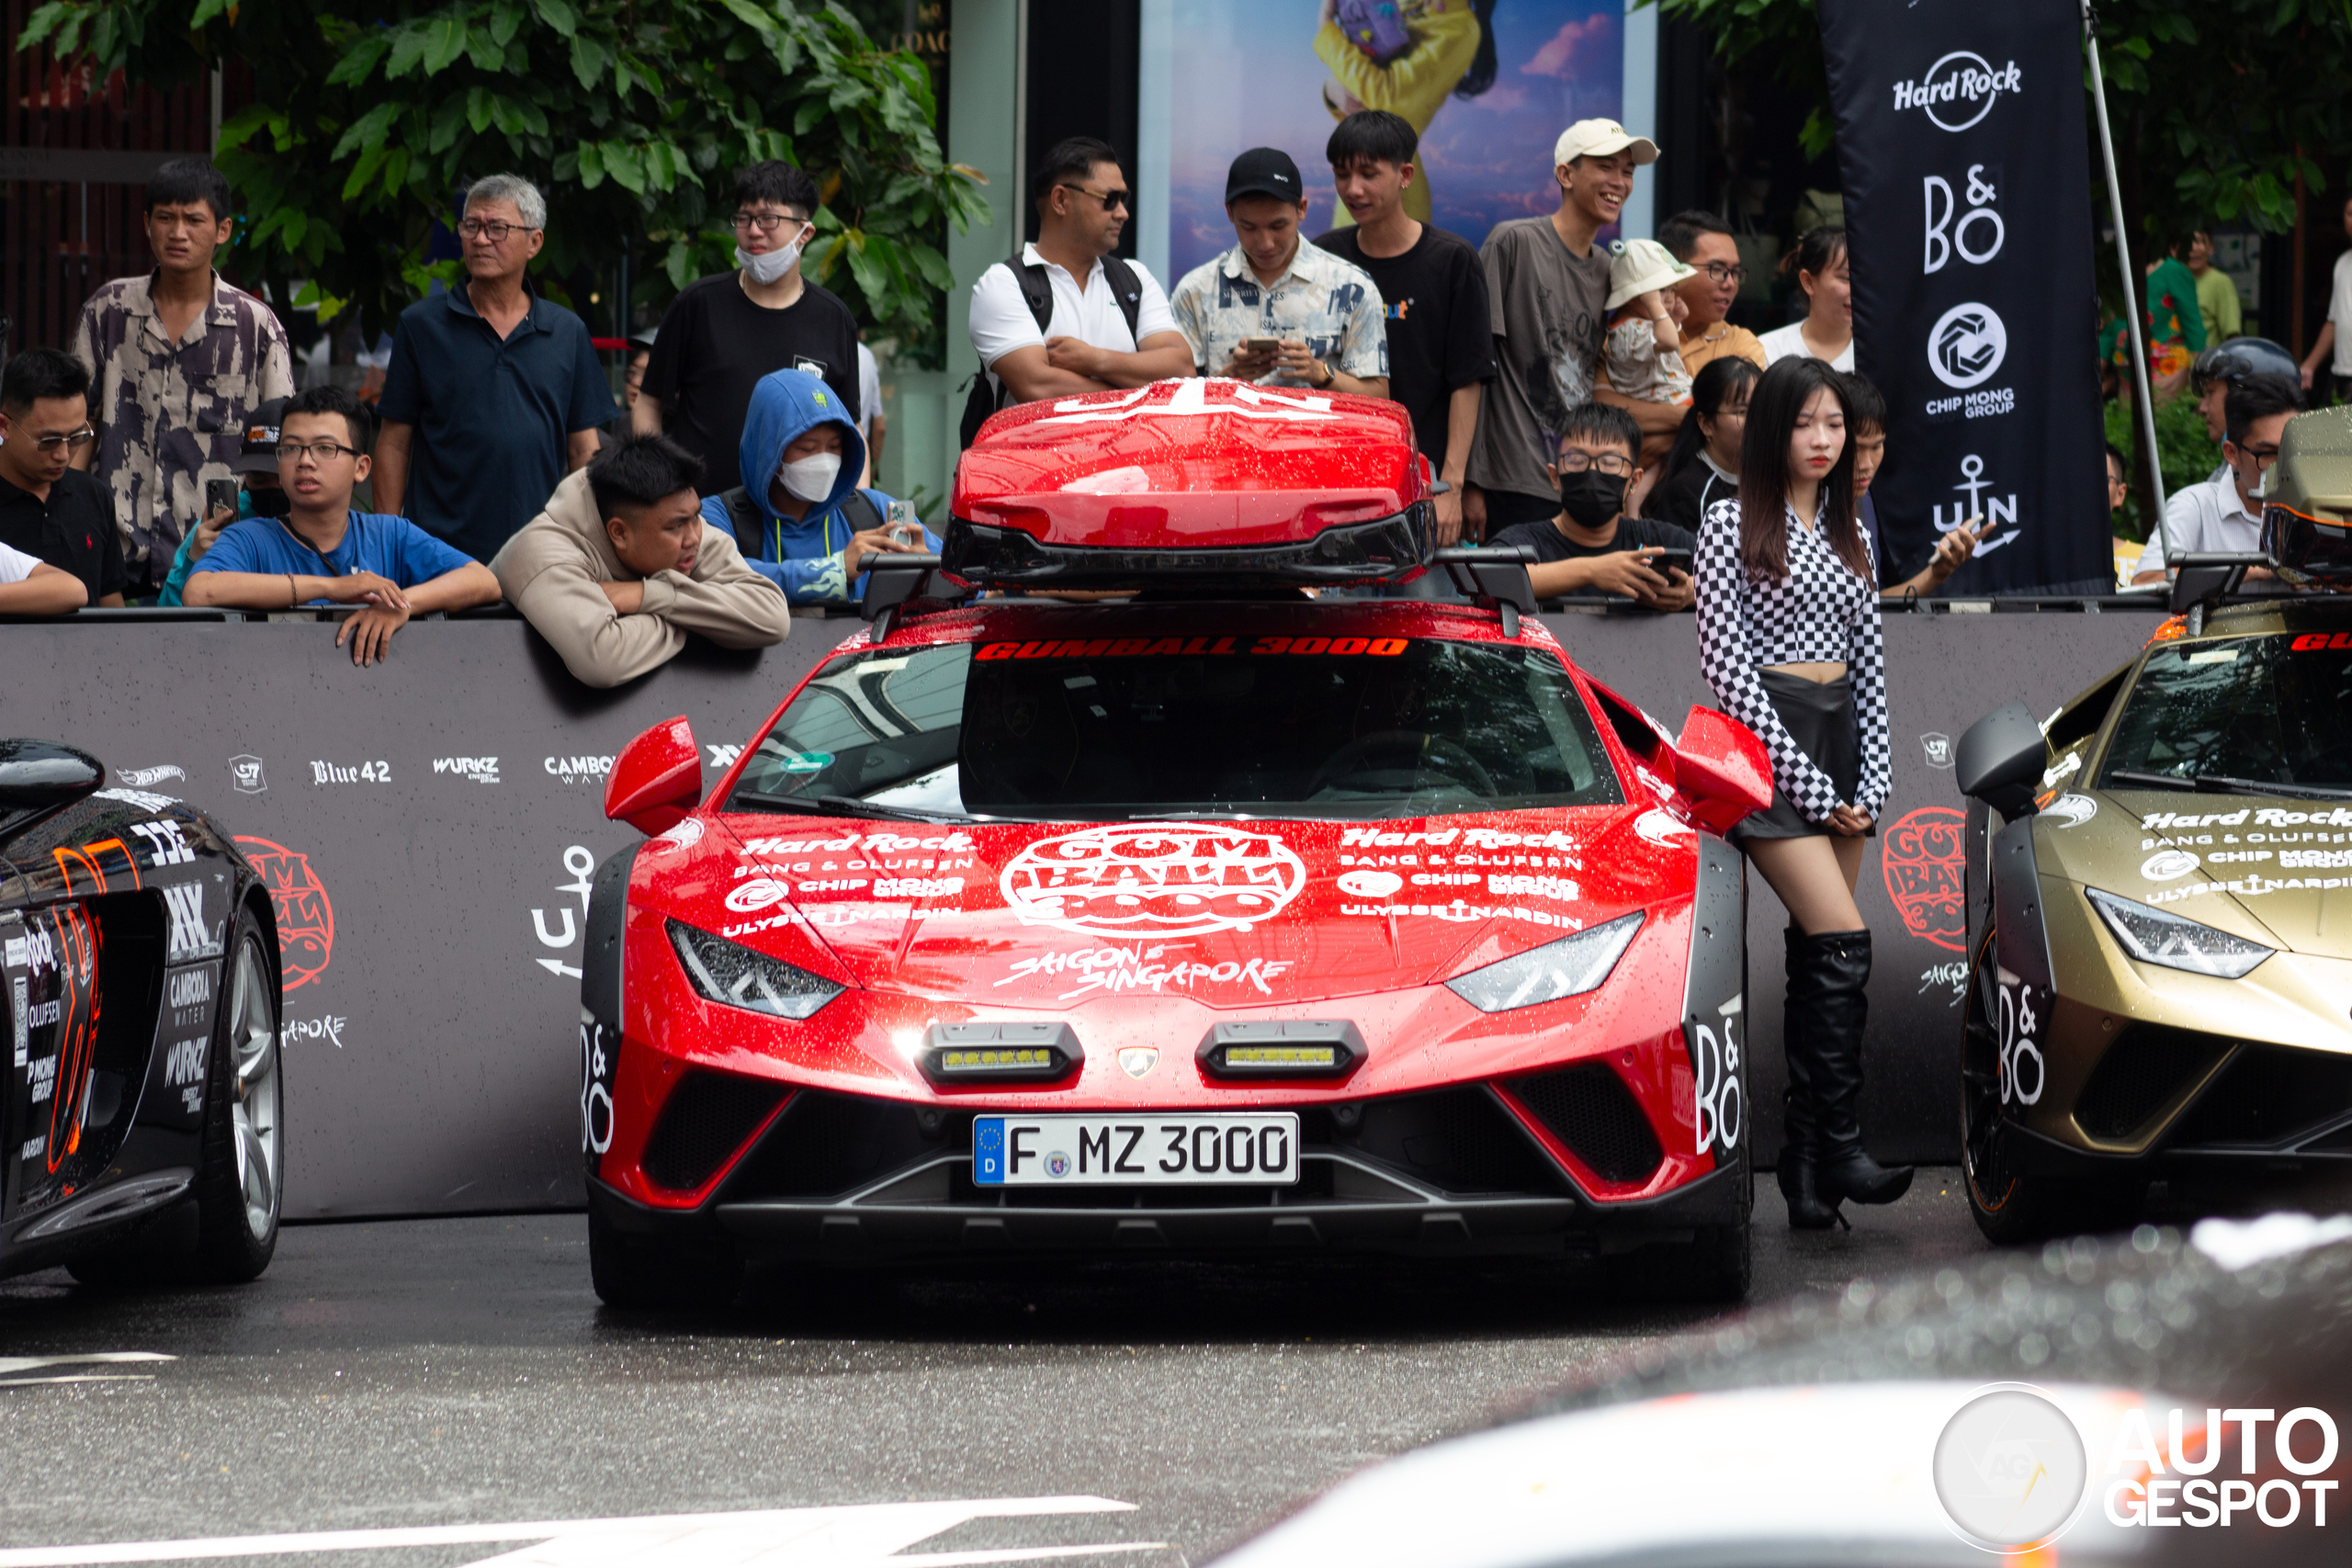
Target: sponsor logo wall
column 431, row 928
column 1961, row 151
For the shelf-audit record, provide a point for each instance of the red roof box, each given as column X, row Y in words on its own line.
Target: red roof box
column 1188, row 466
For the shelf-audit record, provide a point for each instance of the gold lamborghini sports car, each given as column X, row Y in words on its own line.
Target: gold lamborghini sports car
column 2160, row 890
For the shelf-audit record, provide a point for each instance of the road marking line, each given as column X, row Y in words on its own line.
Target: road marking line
column 846, row 1537
column 9, row 1364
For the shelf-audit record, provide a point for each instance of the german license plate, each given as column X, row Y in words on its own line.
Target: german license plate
column 1135, row 1151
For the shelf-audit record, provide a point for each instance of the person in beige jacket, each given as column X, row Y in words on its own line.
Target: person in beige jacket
column 621, row 566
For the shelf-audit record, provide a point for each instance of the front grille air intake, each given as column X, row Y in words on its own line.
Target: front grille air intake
column 2140, row 1075
column 1590, row 1109
column 708, row 1117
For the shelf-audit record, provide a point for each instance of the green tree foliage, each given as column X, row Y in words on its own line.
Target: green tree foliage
column 2217, row 105
column 631, row 115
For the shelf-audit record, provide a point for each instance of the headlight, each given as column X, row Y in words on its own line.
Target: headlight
column 727, row 972
column 2152, row 936
column 1568, row 967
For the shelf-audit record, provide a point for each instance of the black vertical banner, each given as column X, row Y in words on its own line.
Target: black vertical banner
column 1962, row 144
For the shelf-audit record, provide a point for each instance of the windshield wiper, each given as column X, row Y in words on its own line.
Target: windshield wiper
column 843, row 806
column 2223, row 784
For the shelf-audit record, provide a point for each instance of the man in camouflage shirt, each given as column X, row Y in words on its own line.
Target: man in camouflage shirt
column 177, row 360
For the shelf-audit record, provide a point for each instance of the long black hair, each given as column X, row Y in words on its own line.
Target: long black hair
column 1780, row 395
column 1481, row 75
column 1713, row 386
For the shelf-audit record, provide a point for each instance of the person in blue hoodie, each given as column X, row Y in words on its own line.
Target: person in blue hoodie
column 803, row 523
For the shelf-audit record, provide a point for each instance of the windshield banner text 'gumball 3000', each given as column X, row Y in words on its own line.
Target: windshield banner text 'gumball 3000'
column 1961, row 151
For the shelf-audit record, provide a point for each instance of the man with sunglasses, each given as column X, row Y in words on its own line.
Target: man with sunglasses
column 725, row 331
column 48, row 510
column 1075, row 318
column 493, row 393
column 324, row 552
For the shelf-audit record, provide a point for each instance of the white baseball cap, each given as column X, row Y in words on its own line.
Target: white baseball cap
column 1600, row 138
column 1639, row 265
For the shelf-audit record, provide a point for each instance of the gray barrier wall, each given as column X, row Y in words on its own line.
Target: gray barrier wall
column 428, row 826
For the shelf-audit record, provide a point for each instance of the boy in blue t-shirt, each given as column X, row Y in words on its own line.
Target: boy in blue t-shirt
column 324, row 552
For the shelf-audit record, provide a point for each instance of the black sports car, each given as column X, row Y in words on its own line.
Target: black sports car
column 140, row 1130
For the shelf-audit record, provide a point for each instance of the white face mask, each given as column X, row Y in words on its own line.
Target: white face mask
column 810, row 479
column 769, row 265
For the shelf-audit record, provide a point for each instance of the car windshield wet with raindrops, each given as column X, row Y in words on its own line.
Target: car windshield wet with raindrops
column 2272, row 711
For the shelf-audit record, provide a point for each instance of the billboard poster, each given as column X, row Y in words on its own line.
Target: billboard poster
column 1489, row 84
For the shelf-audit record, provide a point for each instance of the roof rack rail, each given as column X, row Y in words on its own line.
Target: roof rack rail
column 2205, row 578
column 1491, row 579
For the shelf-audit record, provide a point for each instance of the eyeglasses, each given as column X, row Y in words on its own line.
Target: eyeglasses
column 766, row 223
column 320, row 451
column 2264, row 455
column 1112, row 200
column 1575, row 462
column 490, row 229
column 74, row 441
column 1725, row 272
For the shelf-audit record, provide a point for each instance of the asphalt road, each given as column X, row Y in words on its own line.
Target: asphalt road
column 411, row 1377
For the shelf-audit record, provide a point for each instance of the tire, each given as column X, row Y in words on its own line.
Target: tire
column 1719, row 1266
column 2010, row 1207
column 639, row 1274
column 241, row 1173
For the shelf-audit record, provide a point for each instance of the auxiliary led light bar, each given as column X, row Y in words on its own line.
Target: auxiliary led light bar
column 1286, row 1048
column 1000, row 1052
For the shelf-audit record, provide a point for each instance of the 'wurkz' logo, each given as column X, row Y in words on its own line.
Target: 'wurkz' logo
column 1177, row 880
column 1958, row 90
column 305, row 916
column 481, row 769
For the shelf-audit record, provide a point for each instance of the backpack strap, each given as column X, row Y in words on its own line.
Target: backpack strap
column 1126, row 290
column 1036, row 291
column 860, row 513
column 744, row 517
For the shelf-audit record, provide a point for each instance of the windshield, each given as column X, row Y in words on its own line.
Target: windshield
column 2263, row 710
column 1346, row 728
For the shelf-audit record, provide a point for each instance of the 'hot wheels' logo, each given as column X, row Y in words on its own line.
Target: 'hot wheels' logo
column 1925, row 860
column 305, row 918
column 1164, row 880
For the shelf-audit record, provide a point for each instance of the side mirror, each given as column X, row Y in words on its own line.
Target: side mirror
column 657, row 779
column 1723, row 768
column 38, row 775
column 2002, row 759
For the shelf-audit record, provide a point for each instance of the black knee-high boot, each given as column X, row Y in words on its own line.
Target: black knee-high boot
column 1801, row 1101
column 1837, row 967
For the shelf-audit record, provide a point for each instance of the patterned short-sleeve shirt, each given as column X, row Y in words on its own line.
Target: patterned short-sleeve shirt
column 1325, row 302
column 172, row 415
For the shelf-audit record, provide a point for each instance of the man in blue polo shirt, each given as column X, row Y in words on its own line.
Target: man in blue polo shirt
column 323, row 552
column 494, row 394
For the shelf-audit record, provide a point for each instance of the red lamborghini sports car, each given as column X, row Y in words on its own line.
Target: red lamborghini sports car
column 1172, row 865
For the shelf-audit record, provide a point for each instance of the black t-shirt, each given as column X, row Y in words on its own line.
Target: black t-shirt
column 715, row 344
column 1684, row 498
column 1633, row 534
column 74, row 530
column 1439, row 337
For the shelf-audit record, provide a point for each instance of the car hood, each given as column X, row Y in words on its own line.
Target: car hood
column 1229, row 914
column 2271, row 868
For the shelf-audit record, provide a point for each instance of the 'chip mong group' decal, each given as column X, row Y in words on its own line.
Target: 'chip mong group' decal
column 1153, row 880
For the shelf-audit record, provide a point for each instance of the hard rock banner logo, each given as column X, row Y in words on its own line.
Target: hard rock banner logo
column 305, row 916
column 1153, row 880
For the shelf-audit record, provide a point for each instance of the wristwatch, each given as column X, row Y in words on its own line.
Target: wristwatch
column 1329, row 375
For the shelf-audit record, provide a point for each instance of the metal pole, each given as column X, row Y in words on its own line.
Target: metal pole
column 2133, row 292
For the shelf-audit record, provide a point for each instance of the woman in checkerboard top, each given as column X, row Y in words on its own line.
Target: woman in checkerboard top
column 1789, row 637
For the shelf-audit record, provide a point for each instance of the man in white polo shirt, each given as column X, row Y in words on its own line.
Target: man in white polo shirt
column 1073, row 317
column 2224, row 512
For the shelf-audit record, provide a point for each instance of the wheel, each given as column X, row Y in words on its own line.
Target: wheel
column 241, row 1177
column 638, row 1272
column 2009, row 1206
column 1718, row 1265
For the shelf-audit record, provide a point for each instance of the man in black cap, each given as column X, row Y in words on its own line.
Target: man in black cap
column 259, row 495
column 1275, row 309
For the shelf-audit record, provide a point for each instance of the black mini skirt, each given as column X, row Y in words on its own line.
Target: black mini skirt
column 1819, row 715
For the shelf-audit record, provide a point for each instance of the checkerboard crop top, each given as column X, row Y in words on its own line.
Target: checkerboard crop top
column 1820, row 612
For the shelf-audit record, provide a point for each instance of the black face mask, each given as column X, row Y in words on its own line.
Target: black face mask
column 1590, row 499
column 271, row 502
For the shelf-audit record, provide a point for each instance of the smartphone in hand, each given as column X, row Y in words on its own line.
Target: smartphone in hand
column 220, row 495
column 1261, row 346
column 902, row 526
column 1666, row 561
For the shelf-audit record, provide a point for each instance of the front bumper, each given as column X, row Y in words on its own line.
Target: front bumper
column 1447, row 1174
